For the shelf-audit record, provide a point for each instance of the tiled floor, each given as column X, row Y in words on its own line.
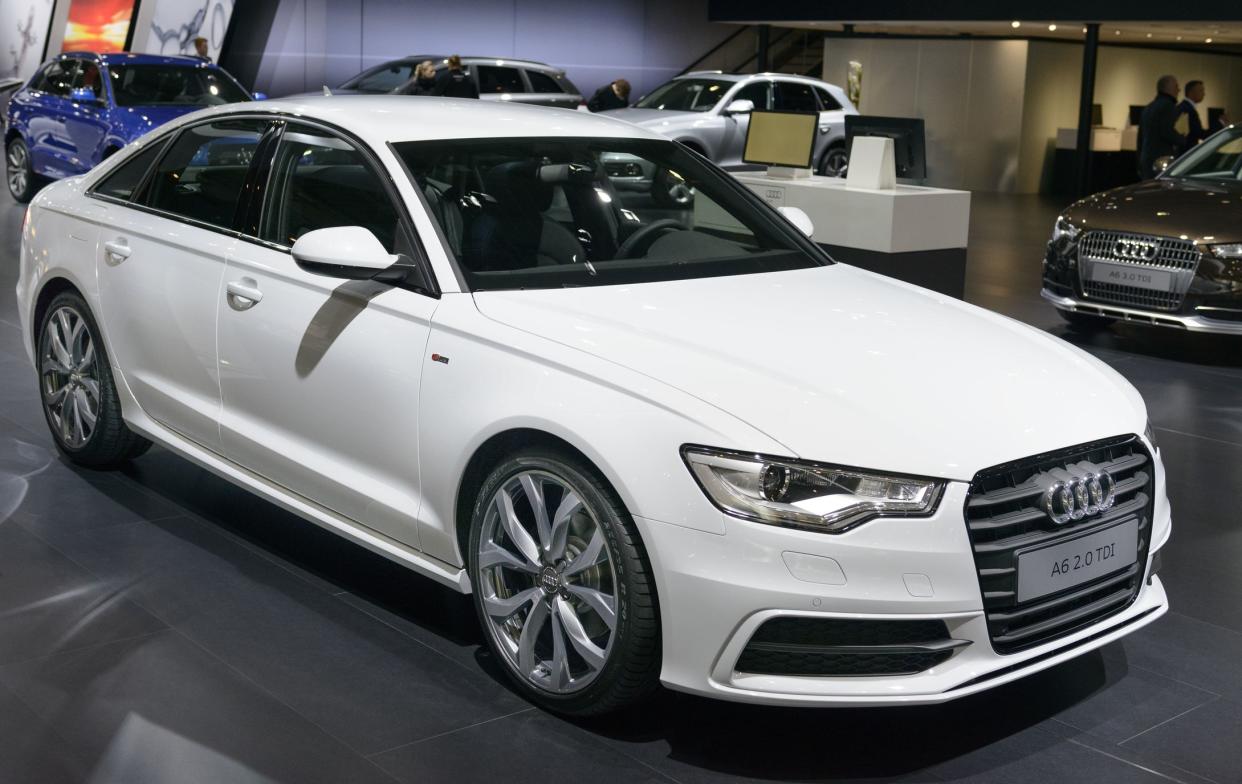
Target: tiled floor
column 159, row 625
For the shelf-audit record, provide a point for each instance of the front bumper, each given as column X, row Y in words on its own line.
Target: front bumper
column 716, row 591
column 1193, row 322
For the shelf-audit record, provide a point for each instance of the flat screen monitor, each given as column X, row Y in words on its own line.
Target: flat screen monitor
column 909, row 146
column 1136, row 113
column 781, row 139
column 1216, row 116
column 1097, row 115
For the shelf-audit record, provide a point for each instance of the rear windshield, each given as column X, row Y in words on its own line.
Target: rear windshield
column 686, row 95
column 564, row 212
column 173, row 85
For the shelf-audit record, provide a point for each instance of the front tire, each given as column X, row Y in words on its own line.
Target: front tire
column 77, row 390
column 562, row 586
column 19, row 171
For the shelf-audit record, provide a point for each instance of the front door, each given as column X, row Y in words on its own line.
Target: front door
column 164, row 259
column 319, row 375
column 733, row 139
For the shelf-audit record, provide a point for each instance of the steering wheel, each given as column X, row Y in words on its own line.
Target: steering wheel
column 644, row 237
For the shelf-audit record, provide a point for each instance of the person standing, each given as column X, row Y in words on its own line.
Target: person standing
column 200, row 48
column 1195, row 95
column 1158, row 136
column 424, row 79
column 615, row 95
column 455, row 82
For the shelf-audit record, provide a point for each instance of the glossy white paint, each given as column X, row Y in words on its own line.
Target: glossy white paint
column 321, row 396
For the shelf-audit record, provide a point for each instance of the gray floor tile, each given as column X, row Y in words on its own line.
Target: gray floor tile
column 1202, row 741
column 128, row 707
column 49, row 604
column 31, row 752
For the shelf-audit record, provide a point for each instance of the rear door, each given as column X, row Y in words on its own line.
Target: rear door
column 320, row 375
column 160, row 271
column 501, row 83
column 797, row 96
column 547, row 90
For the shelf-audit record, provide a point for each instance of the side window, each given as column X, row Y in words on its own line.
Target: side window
column 88, row 76
column 122, row 183
column 202, row 174
column 386, row 79
column 795, row 97
column 319, row 181
column 542, row 83
column 826, row 100
column 58, row 77
column 756, row 92
column 497, row 79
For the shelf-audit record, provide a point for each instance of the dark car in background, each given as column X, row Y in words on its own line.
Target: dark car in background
column 498, row 79
column 1166, row 252
column 80, row 107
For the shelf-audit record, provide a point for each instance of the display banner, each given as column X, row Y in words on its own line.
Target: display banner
column 176, row 23
column 23, row 36
column 97, row 25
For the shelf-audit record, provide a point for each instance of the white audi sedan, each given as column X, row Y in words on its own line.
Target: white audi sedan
column 658, row 444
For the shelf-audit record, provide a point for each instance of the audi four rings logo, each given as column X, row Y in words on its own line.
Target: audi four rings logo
column 1135, row 250
column 1087, row 492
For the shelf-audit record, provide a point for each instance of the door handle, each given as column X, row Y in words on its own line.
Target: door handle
column 242, row 296
column 117, row 249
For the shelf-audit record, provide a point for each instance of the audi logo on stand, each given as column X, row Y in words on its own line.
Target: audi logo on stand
column 1069, row 497
column 1135, row 250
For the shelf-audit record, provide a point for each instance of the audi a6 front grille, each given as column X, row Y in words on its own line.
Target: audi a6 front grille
column 1010, row 511
column 1171, row 259
column 835, row 647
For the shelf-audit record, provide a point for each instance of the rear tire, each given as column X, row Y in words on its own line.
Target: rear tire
column 568, row 607
column 834, row 162
column 1085, row 322
column 19, row 171
column 76, row 388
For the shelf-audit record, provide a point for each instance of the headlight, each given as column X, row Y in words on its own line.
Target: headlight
column 1063, row 229
column 1150, row 434
column 810, row 496
column 1231, row 251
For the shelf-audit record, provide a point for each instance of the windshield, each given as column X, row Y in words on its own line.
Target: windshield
column 173, row 85
column 686, row 95
column 1217, row 158
column 548, row 213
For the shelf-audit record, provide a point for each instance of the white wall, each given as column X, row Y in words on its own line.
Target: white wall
column 170, row 26
column 969, row 94
column 23, row 35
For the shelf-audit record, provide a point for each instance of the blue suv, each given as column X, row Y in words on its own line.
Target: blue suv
column 81, row 107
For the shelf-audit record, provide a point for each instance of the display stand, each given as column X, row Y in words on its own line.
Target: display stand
column 909, row 232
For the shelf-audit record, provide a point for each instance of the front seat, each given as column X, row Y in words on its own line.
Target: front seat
column 511, row 232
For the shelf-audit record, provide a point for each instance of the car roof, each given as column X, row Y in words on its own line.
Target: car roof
column 475, row 59
column 133, row 58
column 379, row 119
column 735, row 77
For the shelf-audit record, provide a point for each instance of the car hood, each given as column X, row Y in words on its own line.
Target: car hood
column 1202, row 210
column 844, row 366
column 658, row 120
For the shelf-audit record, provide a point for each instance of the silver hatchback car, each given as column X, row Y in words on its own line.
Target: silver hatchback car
column 709, row 111
column 497, row 79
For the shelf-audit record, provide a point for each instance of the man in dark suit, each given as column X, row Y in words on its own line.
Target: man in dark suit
column 1158, row 136
column 454, row 82
column 1195, row 93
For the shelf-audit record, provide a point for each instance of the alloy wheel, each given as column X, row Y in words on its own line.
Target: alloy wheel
column 548, row 583
column 835, row 162
column 18, row 169
column 69, row 377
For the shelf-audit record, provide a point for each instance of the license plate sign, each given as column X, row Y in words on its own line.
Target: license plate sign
column 1061, row 566
column 1127, row 275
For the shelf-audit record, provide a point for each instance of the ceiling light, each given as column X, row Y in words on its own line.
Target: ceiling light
column 1116, row 32
column 1207, row 40
column 1149, row 35
column 1052, row 28
column 1015, row 24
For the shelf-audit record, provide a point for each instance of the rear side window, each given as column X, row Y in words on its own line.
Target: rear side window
column 497, row 79
column 829, row 103
column 201, row 175
column 122, row 183
column 795, row 97
column 542, row 83
column 320, row 181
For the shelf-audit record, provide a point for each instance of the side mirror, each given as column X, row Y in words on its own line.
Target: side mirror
column 260, row 96
column 1163, row 163
column 349, row 252
column 740, row 106
column 83, row 95
column 799, row 219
